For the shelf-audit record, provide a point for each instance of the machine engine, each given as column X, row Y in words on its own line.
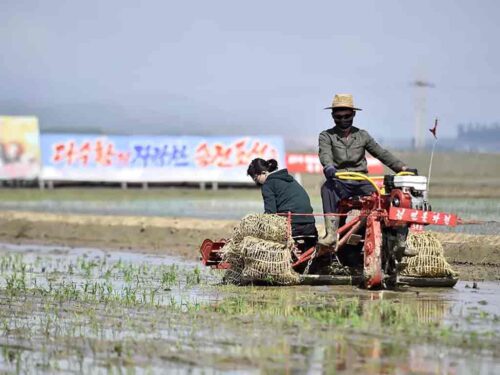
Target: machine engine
column 407, row 191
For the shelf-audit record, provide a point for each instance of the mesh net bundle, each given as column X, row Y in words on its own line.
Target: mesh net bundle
column 260, row 250
column 267, row 261
column 264, row 226
column 233, row 256
column 428, row 259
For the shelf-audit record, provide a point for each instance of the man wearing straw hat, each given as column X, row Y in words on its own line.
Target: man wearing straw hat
column 342, row 149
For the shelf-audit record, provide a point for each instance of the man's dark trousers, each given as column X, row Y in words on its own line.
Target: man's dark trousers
column 333, row 190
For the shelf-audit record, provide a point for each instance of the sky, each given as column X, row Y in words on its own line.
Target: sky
column 253, row 67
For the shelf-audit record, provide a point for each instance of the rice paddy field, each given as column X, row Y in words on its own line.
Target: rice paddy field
column 72, row 310
column 104, row 280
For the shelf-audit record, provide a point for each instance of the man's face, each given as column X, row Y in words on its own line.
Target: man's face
column 343, row 117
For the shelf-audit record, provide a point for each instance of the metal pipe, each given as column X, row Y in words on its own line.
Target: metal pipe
column 344, row 239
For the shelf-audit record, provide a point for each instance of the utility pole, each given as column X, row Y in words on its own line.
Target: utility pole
column 420, row 111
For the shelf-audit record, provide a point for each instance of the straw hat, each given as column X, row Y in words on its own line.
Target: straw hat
column 343, row 101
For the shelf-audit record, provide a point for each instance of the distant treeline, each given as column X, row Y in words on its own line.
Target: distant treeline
column 479, row 132
column 478, row 137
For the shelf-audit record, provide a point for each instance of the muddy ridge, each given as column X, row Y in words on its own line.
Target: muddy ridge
column 473, row 256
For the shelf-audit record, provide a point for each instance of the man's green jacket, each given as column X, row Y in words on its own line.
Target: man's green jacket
column 348, row 154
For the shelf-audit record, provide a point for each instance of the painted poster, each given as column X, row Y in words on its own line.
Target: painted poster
column 19, row 148
column 77, row 157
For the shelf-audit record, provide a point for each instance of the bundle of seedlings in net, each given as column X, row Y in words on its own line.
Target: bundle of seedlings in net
column 257, row 240
column 424, row 243
column 264, row 226
column 267, row 261
column 429, row 260
column 232, row 255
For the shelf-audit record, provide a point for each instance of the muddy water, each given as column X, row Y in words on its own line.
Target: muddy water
column 56, row 260
column 90, row 310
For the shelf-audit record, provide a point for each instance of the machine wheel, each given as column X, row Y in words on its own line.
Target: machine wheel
column 372, row 269
column 393, row 247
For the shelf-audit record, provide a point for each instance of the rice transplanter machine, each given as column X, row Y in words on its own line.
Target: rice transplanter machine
column 372, row 233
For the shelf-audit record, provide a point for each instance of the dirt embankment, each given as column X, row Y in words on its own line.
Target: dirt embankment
column 157, row 235
column 474, row 256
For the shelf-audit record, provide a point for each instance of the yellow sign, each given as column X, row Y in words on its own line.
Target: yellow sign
column 19, row 148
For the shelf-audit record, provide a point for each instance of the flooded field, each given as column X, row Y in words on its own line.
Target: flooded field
column 241, row 203
column 88, row 310
column 72, row 310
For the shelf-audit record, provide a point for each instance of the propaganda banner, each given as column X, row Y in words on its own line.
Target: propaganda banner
column 77, row 157
column 309, row 163
column 19, row 148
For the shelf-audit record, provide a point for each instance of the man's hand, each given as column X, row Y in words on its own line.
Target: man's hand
column 411, row 170
column 329, row 171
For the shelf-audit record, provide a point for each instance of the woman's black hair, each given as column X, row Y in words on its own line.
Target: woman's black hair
column 257, row 166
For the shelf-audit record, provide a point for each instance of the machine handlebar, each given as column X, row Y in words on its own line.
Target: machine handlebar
column 356, row 176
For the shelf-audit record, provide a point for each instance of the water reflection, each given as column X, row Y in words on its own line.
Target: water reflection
column 375, row 356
